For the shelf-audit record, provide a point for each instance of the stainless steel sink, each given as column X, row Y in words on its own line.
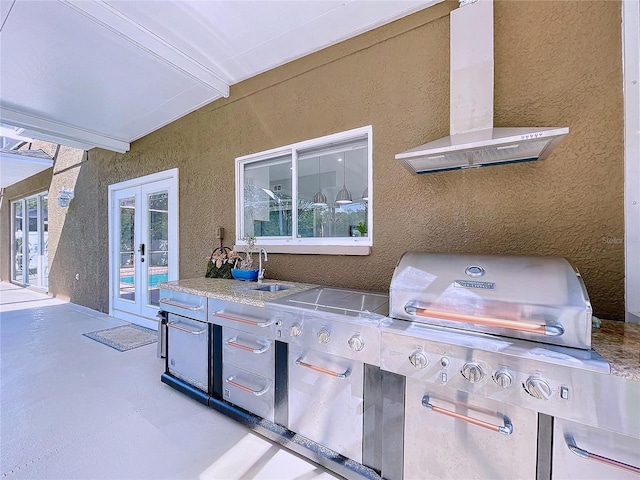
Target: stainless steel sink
column 272, row 287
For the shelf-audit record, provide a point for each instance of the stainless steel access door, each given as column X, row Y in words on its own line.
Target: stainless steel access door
column 326, row 401
column 584, row 452
column 188, row 350
column 456, row 435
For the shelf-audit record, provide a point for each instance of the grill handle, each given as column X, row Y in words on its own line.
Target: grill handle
column 412, row 308
column 607, row 461
column 506, row 429
column 255, row 323
column 257, row 393
column 315, row 368
column 233, row 342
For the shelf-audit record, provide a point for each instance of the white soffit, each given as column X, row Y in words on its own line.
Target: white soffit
column 105, row 73
column 16, row 165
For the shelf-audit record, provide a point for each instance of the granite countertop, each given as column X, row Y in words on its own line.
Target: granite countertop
column 619, row 344
column 234, row 290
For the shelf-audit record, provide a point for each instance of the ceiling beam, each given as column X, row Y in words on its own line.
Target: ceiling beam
column 67, row 134
column 110, row 18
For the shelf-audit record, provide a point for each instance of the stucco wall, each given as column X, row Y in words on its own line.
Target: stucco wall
column 556, row 64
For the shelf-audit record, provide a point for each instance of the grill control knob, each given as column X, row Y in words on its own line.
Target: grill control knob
column 295, row 330
column 323, row 336
column 355, row 343
column 418, row 359
column 472, row 372
column 537, row 388
column 503, row 378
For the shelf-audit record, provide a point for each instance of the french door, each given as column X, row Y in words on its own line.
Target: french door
column 143, row 233
column 30, row 241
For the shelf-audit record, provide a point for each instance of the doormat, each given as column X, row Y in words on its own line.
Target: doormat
column 124, row 337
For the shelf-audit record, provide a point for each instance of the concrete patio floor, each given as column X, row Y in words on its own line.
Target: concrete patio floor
column 72, row 408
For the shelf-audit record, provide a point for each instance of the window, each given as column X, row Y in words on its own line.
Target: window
column 30, row 241
column 309, row 197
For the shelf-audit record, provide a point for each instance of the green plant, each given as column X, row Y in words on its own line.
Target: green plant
column 362, row 228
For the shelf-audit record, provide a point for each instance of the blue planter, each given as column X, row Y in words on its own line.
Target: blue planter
column 248, row 275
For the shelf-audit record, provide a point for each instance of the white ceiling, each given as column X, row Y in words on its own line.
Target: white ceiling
column 89, row 73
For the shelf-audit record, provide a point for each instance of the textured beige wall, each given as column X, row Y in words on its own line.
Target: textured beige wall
column 556, row 64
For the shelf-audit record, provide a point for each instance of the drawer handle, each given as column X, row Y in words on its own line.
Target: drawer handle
column 255, row 323
column 315, row 368
column 607, row 461
column 507, row 429
column 412, row 308
column 233, row 342
column 231, row 381
column 179, row 326
column 193, row 308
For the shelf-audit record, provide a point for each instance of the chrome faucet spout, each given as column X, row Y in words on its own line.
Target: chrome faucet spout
column 260, row 269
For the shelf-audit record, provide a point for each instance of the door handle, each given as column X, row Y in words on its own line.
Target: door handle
column 507, row 429
column 141, row 249
column 599, row 458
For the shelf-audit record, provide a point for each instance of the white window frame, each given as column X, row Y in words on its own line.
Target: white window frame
column 309, row 245
column 631, row 82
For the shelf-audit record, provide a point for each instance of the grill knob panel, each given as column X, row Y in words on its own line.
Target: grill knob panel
column 472, row 372
column 503, row 378
column 295, row 330
column 355, row 343
column 537, row 388
column 324, row 336
column 418, row 359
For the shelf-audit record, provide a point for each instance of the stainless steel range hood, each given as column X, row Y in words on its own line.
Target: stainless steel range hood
column 474, row 141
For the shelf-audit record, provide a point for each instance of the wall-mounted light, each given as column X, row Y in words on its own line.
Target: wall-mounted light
column 64, row 197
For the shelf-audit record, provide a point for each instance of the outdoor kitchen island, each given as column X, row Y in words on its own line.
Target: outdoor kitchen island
column 258, row 324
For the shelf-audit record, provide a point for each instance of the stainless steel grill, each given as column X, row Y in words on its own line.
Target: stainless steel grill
column 483, row 345
column 534, row 298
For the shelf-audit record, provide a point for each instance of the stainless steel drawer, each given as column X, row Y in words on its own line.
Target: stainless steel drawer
column 188, row 350
column 249, row 352
column 588, row 453
column 257, row 320
column 249, row 391
column 185, row 304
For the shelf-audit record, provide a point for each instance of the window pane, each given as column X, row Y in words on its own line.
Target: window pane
column 127, row 270
column 18, row 240
column 331, row 187
column 158, row 245
column 267, row 198
column 34, row 241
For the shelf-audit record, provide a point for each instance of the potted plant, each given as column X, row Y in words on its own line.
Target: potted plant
column 243, row 267
column 362, row 228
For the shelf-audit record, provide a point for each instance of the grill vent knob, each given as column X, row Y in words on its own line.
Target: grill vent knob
column 355, row 343
column 418, row 359
column 537, row 388
column 296, row 330
column 503, row 378
column 323, row 336
column 472, row 372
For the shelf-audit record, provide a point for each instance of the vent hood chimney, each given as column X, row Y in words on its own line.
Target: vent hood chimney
column 473, row 141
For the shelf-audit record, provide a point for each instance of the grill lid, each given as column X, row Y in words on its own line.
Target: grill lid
column 535, row 298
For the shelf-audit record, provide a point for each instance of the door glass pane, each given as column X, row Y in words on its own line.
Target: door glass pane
column 332, row 192
column 267, row 197
column 157, row 256
column 45, row 240
column 18, row 240
column 127, row 270
column 34, row 240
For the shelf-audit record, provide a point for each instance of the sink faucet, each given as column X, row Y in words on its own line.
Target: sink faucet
column 260, row 269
